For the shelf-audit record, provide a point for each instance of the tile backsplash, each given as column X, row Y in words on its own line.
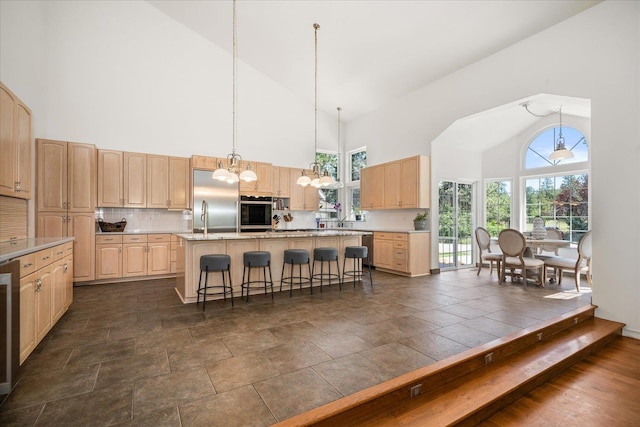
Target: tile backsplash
column 147, row 220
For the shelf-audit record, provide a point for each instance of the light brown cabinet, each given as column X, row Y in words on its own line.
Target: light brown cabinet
column 407, row 254
column 157, row 181
column 108, row 257
column 110, row 176
column 179, row 183
column 135, row 180
column 281, row 179
column 158, row 254
column 134, row 255
column 15, row 145
column 263, row 186
column 46, row 291
column 302, row 198
column 401, row 184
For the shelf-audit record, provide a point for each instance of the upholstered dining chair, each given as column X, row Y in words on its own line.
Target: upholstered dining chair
column 578, row 266
column 513, row 244
column 485, row 255
column 549, row 251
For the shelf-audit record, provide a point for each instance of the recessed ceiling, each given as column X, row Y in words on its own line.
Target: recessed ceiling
column 369, row 52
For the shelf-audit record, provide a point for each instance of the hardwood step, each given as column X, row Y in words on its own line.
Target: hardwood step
column 465, row 389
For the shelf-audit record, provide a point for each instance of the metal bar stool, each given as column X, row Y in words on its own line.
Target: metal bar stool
column 295, row 257
column 256, row 259
column 357, row 253
column 209, row 264
column 325, row 255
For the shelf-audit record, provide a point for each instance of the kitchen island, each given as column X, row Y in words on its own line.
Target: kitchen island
column 192, row 246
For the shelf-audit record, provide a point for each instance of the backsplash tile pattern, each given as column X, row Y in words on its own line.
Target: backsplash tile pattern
column 147, row 220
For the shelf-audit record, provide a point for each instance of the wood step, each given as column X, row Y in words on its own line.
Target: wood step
column 464, row 389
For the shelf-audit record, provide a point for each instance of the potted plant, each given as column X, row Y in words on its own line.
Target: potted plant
column 420, row 221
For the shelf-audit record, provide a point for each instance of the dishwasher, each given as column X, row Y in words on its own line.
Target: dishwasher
column 367, row 240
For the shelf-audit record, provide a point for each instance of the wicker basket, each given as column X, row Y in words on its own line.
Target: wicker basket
column 106, row 227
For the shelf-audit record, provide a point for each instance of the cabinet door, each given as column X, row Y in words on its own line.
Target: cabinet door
column 8, row 146
column 68, row 281
column 372, row 187
column 28, row 285
column 392, row 185
column 134, row 259
column 409, row 182
column 52, row 175
column 296, row 200
column 81, row 177
column 82, row 227
column 135, row 180
column 383, row 253
column 52, row 224
column 281, row 181
column 108, row 261
column 43, row 303
column 57, row 291
column 179, row 183
column 23, row 150
column 110, row 173
column 159, row 254
column 157, row 181
column 311, row 198
column 265, row 181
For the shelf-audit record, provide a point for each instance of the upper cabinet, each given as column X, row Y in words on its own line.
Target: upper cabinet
column 263, row 186
column 401, row 184
column 302, row 198
column 66, row 176
column 138, row 180
column 15, row 145
column 281, row 182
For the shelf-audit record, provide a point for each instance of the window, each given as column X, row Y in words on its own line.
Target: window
column 498, row 206
column 544, row 144
column 356, row 159
column 561, row 201
column 329, row 162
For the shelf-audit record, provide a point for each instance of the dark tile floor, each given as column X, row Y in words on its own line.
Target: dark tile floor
column 133, row 354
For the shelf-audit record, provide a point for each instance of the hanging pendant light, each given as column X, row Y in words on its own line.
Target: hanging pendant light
column 232, row 173
column 560, row 152
column 316, row 180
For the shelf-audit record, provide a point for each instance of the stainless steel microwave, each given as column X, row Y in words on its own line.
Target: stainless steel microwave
column 255, row 213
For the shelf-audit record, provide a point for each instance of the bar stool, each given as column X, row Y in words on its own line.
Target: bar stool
column 357, row 253
column 325, row 255
column 209, row 264
column 256, row 259
column 295, row 257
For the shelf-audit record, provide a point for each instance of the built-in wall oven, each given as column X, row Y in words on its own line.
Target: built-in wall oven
column 255, row 213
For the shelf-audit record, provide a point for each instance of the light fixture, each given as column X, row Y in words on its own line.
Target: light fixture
column 560, row 152
column 325, row 180
column 232, row 173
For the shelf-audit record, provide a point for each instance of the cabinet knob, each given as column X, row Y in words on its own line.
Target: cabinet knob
column 38, row 284
column 17, row 186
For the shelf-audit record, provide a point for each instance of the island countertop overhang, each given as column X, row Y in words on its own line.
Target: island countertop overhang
column 271, row 234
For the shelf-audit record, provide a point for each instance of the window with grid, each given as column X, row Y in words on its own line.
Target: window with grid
column 356, row 160
column 497, row 206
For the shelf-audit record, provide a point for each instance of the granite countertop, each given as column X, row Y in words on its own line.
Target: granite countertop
column 18, row 248
column 106, row 233
column 272, row 234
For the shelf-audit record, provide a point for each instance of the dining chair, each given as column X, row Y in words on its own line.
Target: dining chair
column 484, row 244
column 579, row 266
column 548, row 251
column 513, row 244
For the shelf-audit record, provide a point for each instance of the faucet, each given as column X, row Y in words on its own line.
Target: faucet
column 204, row 217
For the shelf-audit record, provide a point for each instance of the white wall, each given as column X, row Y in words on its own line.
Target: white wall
column 594, row 55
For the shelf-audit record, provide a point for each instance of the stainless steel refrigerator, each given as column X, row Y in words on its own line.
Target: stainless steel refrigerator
column 221, row 200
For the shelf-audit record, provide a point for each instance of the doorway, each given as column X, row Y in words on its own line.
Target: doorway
column 455, row 228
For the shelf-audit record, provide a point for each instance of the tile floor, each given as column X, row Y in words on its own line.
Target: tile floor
column 133, row 354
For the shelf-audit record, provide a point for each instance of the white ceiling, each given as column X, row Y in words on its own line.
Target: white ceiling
column 369, row 52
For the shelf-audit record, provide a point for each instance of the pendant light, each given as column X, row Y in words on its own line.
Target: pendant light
column 325, row 180
column 560, row 152
column 232, row 173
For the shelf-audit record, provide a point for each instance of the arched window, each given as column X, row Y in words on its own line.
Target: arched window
column 545, row 142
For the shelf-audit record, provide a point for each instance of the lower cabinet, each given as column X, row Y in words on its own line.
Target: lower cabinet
column 136, row 255
column 407, row 254
column 46, row 292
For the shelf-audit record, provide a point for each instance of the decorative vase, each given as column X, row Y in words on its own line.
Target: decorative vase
column 420, row 224
column 538, row 232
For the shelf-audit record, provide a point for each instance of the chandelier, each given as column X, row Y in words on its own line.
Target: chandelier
column 560, row 152
column 232, row 173
column 315, row 179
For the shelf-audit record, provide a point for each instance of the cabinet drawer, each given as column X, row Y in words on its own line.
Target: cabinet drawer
column 27, row 264
column 134, row 238
column 102, row 240
column 44, row 258
column 58, row 252
column 401, row 237
column 400, row 265
column 400, row 254
column 382, row 235
column 68, row 249
column 158, row 238
column 400, row 244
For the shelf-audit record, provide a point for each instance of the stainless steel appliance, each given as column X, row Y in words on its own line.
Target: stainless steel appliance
column 255, row 213
column 10, row 325
column 220, row 204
